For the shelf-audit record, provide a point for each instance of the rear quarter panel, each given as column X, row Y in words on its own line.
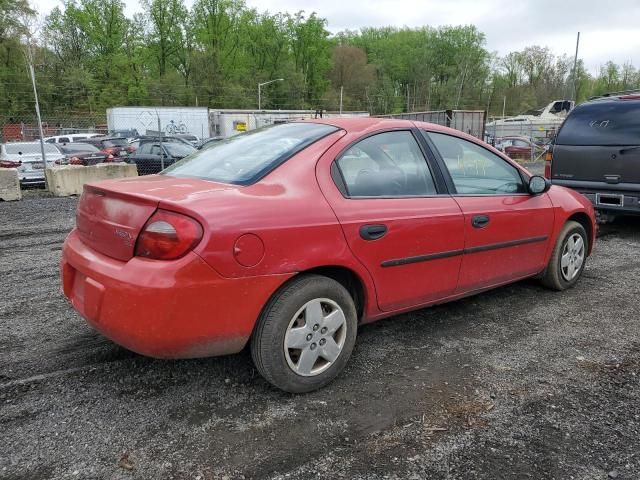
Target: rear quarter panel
column 286, row 210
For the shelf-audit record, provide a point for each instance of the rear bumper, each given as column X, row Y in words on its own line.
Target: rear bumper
column 614, row 201
column 176, row 309
column 623, row 198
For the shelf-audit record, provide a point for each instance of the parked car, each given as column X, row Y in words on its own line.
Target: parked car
column 129, row 133
column 518, row 147
column 135, row 142
column 26, row 157
column 116, row 146
column 77, row 153
column 192, row 139
column 72, row 137
column 597, row 153
column 209, row 141
column 152, row 156
column 290, row 236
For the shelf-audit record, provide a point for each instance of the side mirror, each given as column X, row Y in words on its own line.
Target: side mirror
column 538, row 185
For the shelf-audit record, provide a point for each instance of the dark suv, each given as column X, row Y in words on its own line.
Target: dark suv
column 597, row 152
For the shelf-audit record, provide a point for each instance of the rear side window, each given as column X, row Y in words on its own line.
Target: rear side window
column 602, row 124
column 246, row 158
column 386, row 165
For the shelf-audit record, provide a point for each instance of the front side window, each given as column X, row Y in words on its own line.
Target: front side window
column 388, row 164
column 245, row 158
column 475, row 170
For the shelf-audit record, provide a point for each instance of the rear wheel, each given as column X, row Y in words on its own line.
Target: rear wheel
column 568, row 258
column 305, row 335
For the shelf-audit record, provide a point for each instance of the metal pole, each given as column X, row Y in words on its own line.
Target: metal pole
column 575, row 71
column 161, row 149
column 35, row 94
column 504, row 105
column 341, row 89
column 407, row 98
column 259, row 99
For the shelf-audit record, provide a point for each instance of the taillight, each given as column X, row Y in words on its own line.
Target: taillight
column 9, row 164
column 131, row 149
column 548, row 158
column 75, row 161
column 168, row 236
column 109, row 151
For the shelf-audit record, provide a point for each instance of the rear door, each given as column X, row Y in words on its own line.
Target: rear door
column 507, row 230
column 597, row 144
column 396, row 219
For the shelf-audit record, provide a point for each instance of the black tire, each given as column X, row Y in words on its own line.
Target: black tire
column 553, row 277
column 268, row 339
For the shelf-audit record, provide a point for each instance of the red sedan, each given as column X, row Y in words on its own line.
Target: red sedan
column 291, row 236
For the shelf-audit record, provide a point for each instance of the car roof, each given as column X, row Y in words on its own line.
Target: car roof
column 364, row 125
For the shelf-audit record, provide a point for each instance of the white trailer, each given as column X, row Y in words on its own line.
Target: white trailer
column 151, row 120
column 227, row 123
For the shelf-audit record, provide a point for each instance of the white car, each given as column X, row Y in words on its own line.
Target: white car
column 73, row 137
column 27, row 159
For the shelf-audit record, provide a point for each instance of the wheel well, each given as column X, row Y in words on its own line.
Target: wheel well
column 348, row 279
column 583, row 219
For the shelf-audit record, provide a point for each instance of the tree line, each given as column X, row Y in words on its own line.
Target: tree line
column 89, row 56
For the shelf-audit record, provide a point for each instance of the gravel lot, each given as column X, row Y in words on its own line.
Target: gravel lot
column 520, row 382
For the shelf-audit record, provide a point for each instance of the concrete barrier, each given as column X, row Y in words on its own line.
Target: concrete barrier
column 69, row 179
column 9, row 184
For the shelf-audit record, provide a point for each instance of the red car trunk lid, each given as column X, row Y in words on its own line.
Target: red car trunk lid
column 109, row 222
column 111, row 213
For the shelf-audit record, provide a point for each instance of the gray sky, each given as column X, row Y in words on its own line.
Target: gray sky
column 609, row 30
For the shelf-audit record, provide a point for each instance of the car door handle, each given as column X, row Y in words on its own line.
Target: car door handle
column 480, row 221
column 373, row 232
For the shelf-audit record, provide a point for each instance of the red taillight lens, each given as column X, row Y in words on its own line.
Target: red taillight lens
column 109, row 151
column 168, row 236
column 548, row 157
column 9, row 164
column 75, row 161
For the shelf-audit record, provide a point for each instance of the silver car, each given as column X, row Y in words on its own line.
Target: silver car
column 27, row 159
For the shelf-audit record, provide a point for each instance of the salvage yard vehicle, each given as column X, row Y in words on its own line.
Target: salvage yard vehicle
column 78, row 153
column 70, row 138
column 597, row 153
column 26, row 157
column 289, row 237
column 151, row 156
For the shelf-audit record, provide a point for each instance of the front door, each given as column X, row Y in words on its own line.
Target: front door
column 507, row 230
column 406, row 233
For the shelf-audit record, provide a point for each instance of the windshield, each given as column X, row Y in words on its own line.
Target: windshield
column 29, row 148
column 179, row 149
column 246, row 158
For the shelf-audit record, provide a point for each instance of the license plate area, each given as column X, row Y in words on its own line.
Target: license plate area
column 610, row 200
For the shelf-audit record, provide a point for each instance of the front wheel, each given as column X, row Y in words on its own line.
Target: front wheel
column 305, row 335
column 568, row 258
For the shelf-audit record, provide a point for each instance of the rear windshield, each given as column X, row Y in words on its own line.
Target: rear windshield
column 78, row 147
column 116, row 142
column 601, row 124
column 29, row 148
column 179, row 149
column 246, row 158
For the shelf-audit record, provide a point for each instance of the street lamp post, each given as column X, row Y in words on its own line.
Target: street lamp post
column 260, row 85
